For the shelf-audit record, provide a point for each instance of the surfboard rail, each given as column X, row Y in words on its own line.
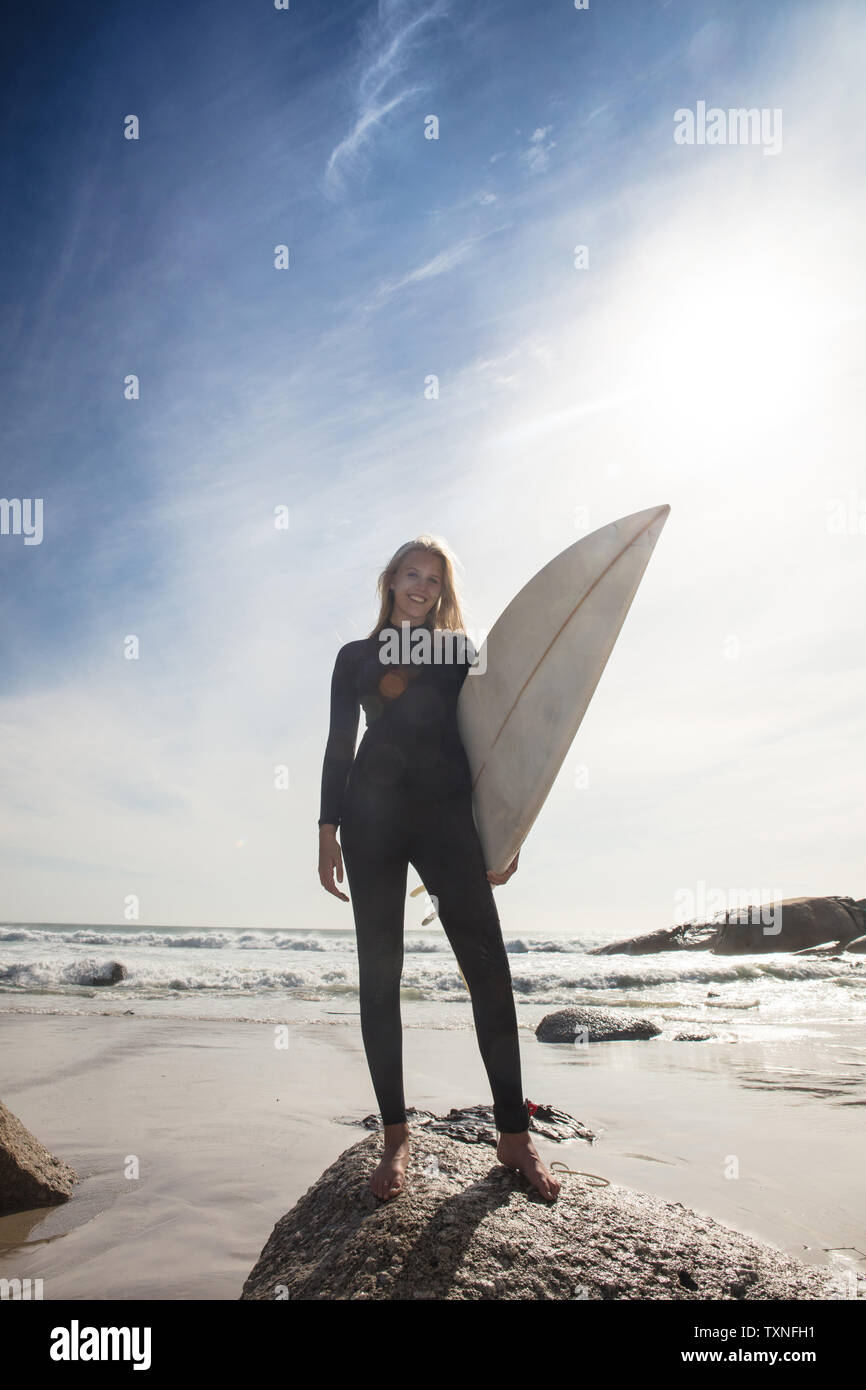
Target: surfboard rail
column 544, row 657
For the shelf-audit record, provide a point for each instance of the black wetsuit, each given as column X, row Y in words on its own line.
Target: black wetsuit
column 407, row 798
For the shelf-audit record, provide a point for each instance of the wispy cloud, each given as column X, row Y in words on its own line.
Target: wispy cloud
column 387, row 49
column 368, row 119
column 537, row 156
column 482, row 198
column 438, row 265
column 512, row 367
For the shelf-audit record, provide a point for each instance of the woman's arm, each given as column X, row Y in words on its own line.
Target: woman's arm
column 340, row 748
column 339, row 755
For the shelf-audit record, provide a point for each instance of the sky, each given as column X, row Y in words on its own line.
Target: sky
column 167, row 646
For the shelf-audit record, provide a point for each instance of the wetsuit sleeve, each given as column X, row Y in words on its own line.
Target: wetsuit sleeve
column 340, row 749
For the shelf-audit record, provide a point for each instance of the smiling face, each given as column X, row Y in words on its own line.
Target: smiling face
column 417, row 586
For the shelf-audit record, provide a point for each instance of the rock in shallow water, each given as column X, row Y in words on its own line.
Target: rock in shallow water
column 30, row 1176
column 792, row 924
column 111, row 973
column 600, row 1024
column 465, row 1228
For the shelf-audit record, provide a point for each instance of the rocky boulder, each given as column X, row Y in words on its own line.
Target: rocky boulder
column 684, row 938
column 793, row 924
column 466, row 1228
column 111, row 973
column 30, row 1176
column 789, row 925
column 601, row 1025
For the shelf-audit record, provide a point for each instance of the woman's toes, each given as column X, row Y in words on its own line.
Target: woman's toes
column 385, row 1182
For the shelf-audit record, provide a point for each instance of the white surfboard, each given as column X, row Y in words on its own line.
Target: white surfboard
column 544, row 658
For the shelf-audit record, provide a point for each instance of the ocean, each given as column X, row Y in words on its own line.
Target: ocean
column 267, row 975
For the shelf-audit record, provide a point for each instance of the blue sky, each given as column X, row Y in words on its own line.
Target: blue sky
column 710, row 356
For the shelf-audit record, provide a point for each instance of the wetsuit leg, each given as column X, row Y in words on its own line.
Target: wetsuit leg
column 445, row 849
column 376, row 862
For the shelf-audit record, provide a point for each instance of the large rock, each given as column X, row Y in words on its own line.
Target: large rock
column 802, row 923
column 683, row 938
column 466, row 1228
column 111, row 973
column 798, row 923
column 29, row 1175
column 601, row 1025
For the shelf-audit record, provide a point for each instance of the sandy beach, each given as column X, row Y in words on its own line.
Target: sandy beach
column 229, row 1131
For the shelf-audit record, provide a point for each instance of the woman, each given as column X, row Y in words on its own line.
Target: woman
column 407, row 798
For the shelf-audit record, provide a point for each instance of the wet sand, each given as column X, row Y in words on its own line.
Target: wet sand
column 229, row 1131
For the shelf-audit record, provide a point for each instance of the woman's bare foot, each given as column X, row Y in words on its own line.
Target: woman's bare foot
column 389, row 1177
column 518, row 1151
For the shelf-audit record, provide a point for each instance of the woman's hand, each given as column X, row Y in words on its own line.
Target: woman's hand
column 330, row 858
column 503, row 878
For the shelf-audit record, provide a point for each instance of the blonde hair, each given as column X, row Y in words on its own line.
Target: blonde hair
column 445, row 612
